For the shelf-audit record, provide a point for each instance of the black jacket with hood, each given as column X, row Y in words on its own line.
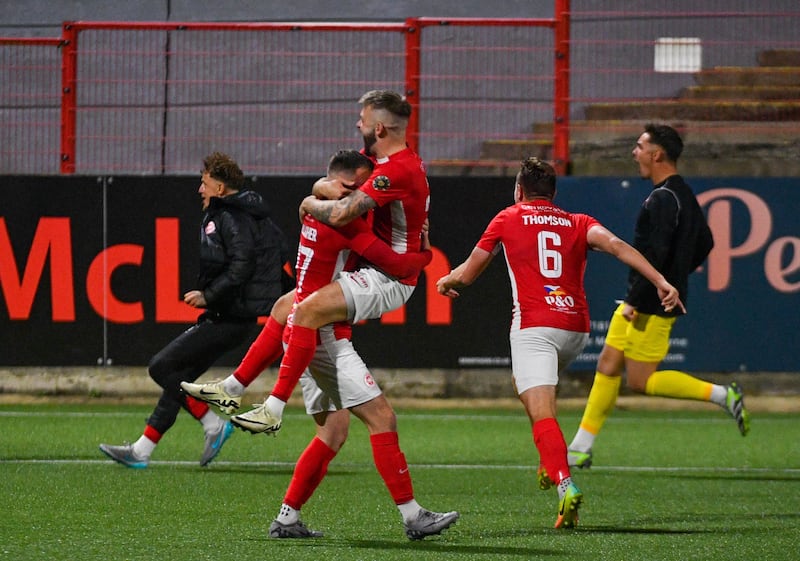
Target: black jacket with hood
column 242, row 252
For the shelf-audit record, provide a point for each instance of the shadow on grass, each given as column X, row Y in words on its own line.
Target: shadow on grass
column 270, row 470
column 429, row 547
column 641, row 531
column 726, row 476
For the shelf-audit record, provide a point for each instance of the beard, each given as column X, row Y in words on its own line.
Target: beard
column 369, row 141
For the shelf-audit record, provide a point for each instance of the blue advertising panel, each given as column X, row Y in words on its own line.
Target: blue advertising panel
column 742, row 303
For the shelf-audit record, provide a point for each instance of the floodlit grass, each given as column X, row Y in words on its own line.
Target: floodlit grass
column 665, row 486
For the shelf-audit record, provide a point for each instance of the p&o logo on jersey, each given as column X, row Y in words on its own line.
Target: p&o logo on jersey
column 381, row 183
column 556, row 297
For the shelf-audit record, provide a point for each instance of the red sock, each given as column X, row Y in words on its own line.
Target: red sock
column 392, row 466
column 152, row 434
column 552, row 448
column 265, row 350
column 298, row 355
column 309, row 470
column 196, row 407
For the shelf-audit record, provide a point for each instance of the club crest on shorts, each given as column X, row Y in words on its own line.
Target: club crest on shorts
column 369, row 380
column 381, row 183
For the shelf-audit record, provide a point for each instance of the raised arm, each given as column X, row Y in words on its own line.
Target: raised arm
column 601, row 239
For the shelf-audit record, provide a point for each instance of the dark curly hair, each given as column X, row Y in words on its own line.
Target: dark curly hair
column 223, row 168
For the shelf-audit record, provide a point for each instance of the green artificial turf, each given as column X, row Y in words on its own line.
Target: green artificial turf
column 665, row 486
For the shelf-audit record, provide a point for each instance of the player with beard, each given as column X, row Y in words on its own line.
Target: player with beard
column 398, row 195
column 352, row 168
column 337, row 381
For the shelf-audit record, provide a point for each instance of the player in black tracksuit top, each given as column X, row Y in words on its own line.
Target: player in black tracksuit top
column 242, row 253
column 672, row 233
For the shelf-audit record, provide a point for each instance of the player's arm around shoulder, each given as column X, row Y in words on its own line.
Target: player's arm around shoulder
column 339, row 212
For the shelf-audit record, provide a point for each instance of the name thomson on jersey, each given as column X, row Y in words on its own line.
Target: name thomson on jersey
column 546, row 219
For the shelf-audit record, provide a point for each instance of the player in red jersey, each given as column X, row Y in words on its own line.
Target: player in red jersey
column 335, row 383
column 545, row 249
column 338, row 382
column 398, row 194
column 328, row 250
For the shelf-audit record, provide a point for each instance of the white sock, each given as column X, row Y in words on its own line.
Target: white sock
column 288, row 515
column 275, row 405
column 562, row 487
column 583, row 441
column 719, row 395
column 211, row 422
column 144, row 447
column 233, row 386
column 409, row 510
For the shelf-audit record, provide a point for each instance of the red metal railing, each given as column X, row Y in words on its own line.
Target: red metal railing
column 560, row 26
column 139, row 97
column 29, row 100
column 148, row 98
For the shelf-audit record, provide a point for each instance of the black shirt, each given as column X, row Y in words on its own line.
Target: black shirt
column 672, row 233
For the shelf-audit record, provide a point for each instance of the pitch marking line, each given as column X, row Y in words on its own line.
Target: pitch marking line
column 599, row 469
column 407, row 416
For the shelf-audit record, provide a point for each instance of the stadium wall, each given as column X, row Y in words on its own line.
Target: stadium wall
column 145, row 102
column 92, row 270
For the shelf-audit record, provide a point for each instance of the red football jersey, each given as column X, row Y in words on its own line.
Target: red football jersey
column 321, row 254
column 545, row 249
column 400, row 187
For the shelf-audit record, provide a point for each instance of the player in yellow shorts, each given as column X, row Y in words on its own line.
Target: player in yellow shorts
column 644, row 339
column 672, row 233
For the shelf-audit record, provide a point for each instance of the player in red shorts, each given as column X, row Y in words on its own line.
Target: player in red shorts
column 546, row 249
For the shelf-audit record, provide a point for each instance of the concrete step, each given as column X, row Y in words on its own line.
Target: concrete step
column 478, row 168
column 603, row 148
column 693, row 167
column 700, row 110
column 719, row 132
column 749, row 76
column 741, row 92
column 745, row 163
column 779, row 57
column 515, row 149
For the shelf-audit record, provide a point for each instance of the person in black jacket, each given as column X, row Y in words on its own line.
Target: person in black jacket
column 242, row 253
column 672, row 233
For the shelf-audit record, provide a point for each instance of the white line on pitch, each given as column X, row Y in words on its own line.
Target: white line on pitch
column 601, row 469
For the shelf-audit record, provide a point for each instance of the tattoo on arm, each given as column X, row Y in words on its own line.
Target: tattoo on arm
column 343, row 211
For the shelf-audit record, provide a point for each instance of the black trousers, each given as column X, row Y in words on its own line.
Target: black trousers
column 188, row 356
